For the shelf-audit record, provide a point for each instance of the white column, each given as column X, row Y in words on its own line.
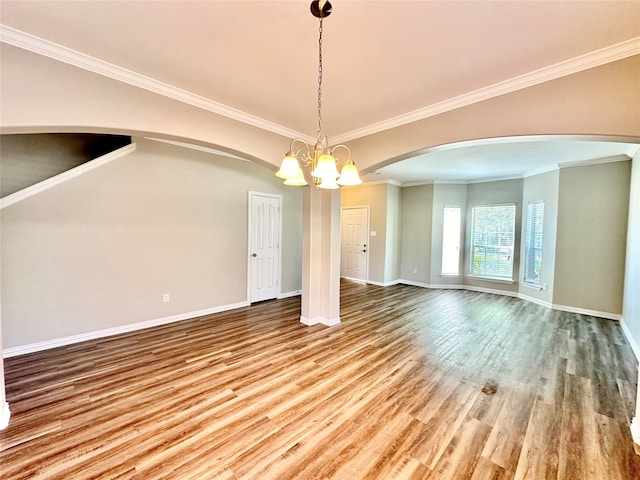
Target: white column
column 321, row 257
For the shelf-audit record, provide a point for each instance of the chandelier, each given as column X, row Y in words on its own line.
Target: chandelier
column 324, row 167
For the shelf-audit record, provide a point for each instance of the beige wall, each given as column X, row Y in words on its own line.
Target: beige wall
column 415, row 245
column 494, row 193
column 446, row 195
column 98, row 251
column 374, row 196
column 542, row 187
column 593, row 206
column 571, row 105
column 631, row 303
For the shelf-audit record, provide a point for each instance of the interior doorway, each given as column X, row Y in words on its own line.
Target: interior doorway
column 354, row 262
column 264, row 246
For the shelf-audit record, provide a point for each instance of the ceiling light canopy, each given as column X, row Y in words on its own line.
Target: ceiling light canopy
column 323, row 163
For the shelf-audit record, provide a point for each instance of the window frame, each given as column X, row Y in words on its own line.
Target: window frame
column 530, row 236
column 498, row 249
column 442, row 262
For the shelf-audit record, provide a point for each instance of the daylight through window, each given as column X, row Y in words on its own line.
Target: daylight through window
column 492, row 239
column 451, row 241
column 533, row 243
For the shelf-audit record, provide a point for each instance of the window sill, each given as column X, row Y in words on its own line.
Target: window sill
column 450, row 275
column 533, row 286
column 492, row 279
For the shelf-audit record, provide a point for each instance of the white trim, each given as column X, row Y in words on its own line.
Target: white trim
column 199, row 148
column 38, row 45
column 59, row 342
column 65, row 176
column 356, row 280
column 495, row 179
column 63, row 54
column 509, row 281
column 446, row 286
column 632, row 150
column 537, row 301
column 540, row 171
column 584, row 311
column 5, row 414
column 384, row 284
column 595, row 161
column 387, row 181
column 414, row 283
column 635, row 430
column 418, row 183
column 329, row 322
column 589, row 60
column 537, row 288
column 293, row 293
column 506, row 293
column 630, row 339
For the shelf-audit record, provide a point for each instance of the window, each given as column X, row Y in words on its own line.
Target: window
column 492, row 238
column 451, row 241
column 533, row 243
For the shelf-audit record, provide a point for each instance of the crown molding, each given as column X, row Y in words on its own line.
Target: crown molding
column 495, row 179
column 31, row 43
column 595, row 161
column 540, row 171
column 69, row 56
column 589, row 60
column 632, row 150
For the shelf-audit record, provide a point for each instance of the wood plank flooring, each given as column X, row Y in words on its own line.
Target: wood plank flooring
column 414, row 384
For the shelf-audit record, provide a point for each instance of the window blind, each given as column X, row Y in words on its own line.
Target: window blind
column 533, row 242
column 492, row 240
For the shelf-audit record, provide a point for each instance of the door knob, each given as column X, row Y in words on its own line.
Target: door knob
column 254, row 255
column 364, row 251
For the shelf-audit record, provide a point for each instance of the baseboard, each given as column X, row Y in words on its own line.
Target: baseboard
column 5, row 414
column 294, row 293
column 357, row 280
column 444, row 286
column 384, row 284
column 534, row 300
column 635, row 434
column 329, row 322
column 630, row 339
column 59, row 342
column 413, row 283
column 506, row 293
column 584, row 311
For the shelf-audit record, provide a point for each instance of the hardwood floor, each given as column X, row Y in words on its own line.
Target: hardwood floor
column 414, row 384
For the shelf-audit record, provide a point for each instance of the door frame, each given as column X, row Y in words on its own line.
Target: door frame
column 366, row 267
column 250, row 196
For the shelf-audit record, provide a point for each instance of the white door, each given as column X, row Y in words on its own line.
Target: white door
column 355, row 243
column 264, row 246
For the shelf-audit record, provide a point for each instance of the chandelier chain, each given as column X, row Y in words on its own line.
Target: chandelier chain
column 320, row 80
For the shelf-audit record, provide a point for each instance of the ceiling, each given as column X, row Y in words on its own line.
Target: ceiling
column 382, row 61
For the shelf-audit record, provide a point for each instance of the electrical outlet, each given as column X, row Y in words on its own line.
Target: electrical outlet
column 415, row 271
column 165, row 297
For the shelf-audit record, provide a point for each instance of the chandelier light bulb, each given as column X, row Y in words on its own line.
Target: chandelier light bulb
column 321, row 159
